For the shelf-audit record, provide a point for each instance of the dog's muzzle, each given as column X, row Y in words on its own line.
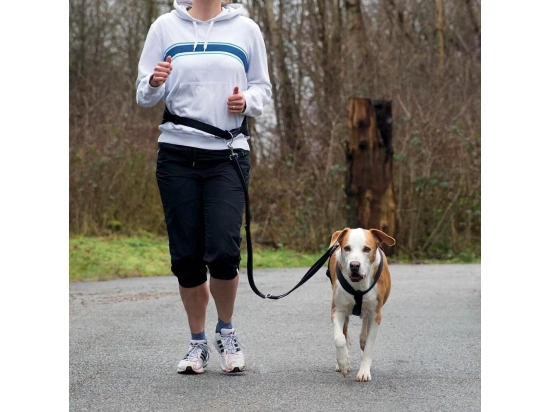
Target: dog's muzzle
column 356, row 277
column 354, row 274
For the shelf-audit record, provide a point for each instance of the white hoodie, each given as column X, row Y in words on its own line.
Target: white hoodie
column 208, row 60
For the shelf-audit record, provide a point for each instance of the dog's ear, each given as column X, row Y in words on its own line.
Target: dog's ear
column 338, row 235
column 334, row 237
column 382, row 237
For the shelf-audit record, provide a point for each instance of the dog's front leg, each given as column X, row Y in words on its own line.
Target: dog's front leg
column 369, row 331
column 340, row 342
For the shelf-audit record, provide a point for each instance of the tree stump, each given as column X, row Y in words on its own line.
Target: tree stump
column 369, row 158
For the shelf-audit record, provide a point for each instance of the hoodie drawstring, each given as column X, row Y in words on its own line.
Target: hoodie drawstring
column 197, row 34
column 208, row 34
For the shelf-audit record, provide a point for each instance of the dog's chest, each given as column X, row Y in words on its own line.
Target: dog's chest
column 345, row 301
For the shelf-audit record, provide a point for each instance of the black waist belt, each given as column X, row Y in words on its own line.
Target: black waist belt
column 205, row 127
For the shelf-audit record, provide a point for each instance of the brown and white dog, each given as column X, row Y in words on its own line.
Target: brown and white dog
column 363, row 268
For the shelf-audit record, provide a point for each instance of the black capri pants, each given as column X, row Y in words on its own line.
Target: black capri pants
column 203, row 201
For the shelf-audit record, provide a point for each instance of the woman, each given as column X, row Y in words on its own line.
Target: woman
column 208, row 63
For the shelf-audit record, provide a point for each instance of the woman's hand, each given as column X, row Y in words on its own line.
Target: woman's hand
column 161, row 72
column 236, row 103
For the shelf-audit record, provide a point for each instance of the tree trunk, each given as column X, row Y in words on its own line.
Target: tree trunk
column 440, row 38
column 369, row 182
column 288, row 112
column 358, row 46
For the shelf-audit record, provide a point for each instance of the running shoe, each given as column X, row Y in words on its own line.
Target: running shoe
column 232, row 357
column 196, row 358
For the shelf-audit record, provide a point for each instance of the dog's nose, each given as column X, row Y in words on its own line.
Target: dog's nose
column 354, row 266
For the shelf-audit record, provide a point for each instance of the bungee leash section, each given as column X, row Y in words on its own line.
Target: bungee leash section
column 228, row 136
column 314, row 269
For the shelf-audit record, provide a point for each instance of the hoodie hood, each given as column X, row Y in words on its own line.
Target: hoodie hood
column 228, row 12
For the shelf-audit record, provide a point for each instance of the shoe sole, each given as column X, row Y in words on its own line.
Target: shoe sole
column 235, row 370
column 190, row 371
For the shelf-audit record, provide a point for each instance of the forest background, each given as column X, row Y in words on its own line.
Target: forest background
column 423, row 55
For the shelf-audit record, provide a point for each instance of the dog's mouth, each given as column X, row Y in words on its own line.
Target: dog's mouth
column 355, row 277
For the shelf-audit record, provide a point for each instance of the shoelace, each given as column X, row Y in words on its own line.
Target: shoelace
column 195, row 350
column 229, row 343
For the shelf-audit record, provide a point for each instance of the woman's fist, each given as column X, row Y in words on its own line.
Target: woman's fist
column 161, row 72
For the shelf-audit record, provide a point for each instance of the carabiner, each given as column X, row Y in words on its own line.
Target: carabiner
column 229, row 144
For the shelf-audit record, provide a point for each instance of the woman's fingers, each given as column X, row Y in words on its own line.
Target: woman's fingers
column 235, row 106
column 162, row 71
column 236, row 102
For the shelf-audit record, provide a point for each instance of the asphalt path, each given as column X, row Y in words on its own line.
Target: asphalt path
column 127, row 336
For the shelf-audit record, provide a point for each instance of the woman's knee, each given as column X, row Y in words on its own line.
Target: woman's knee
column 224, row 267
column 189, row 273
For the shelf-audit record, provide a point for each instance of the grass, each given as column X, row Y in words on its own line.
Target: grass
column 108, row 258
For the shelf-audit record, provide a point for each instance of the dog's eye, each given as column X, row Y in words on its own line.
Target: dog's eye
column 366, row 249
column 347, row 249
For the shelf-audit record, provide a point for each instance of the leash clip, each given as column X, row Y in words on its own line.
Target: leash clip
column 229, row 144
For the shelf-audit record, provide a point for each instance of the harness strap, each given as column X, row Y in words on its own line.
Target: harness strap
column 358, row 294
column 167, row 116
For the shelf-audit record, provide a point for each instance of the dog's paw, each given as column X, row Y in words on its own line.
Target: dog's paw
column 363, row 376
column 343, row 367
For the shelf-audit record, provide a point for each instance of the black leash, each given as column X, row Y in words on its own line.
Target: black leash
column 228, row 136
column 314, row 269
